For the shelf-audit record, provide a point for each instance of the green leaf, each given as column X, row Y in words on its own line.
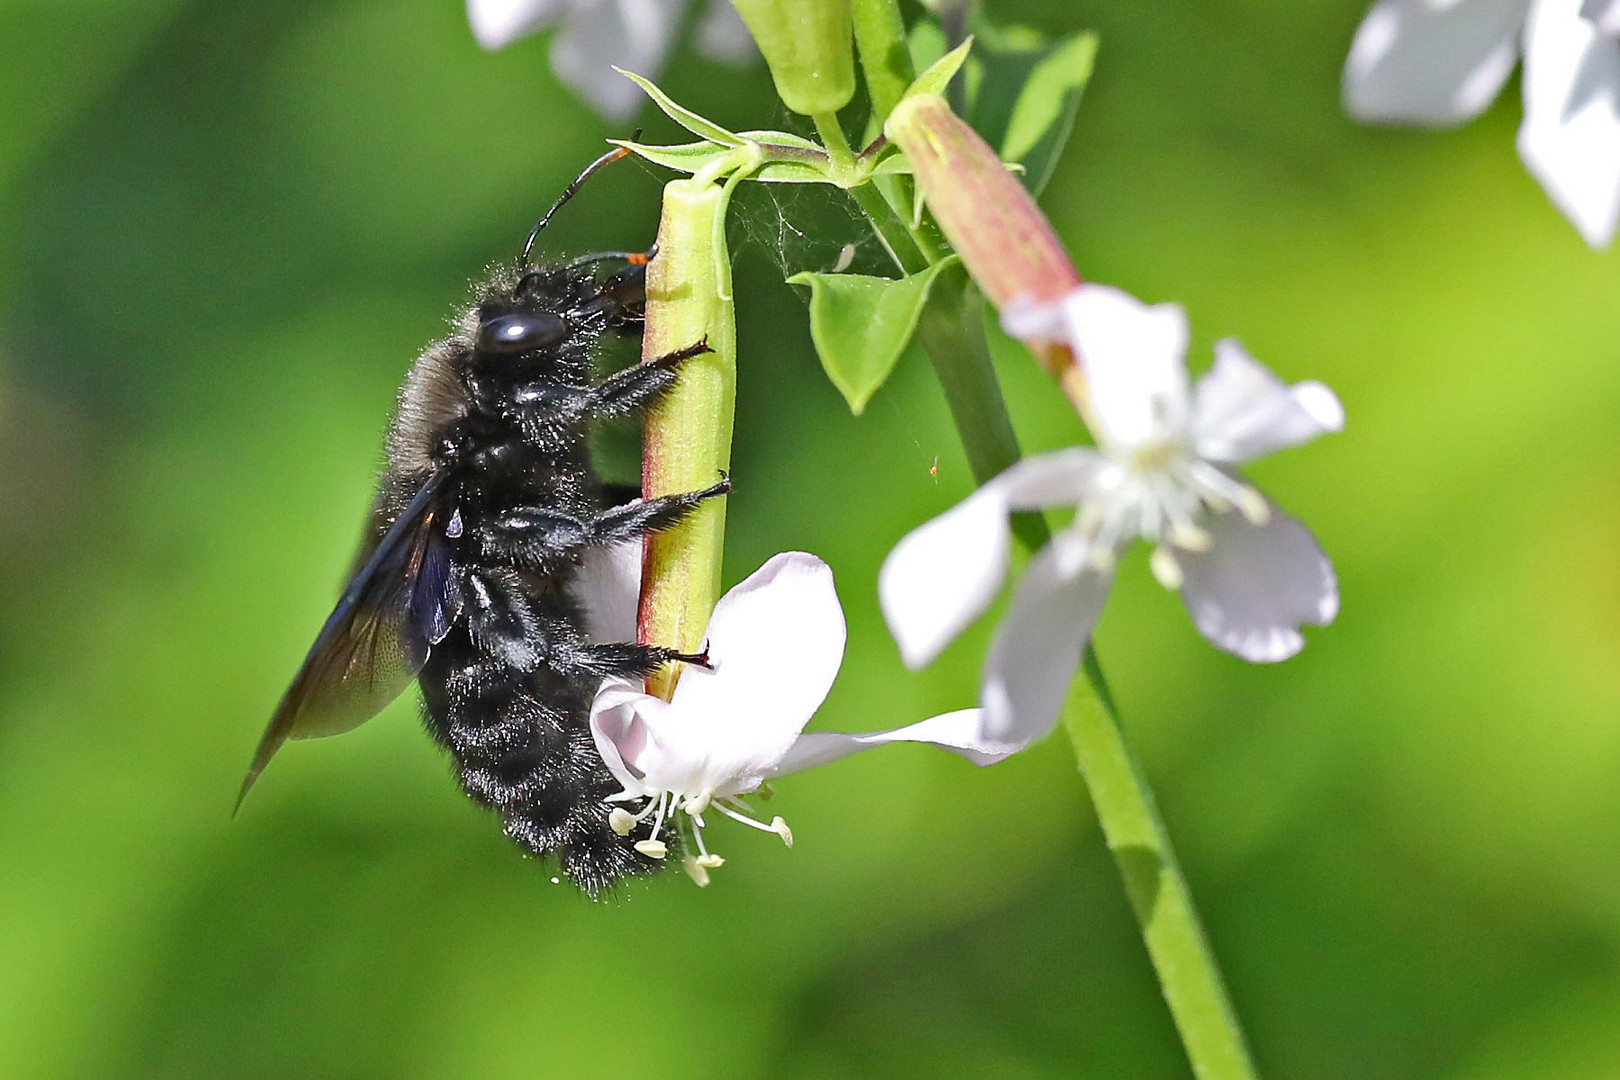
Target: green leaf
column 1023, row 91
column 790, row 172
column 926, row 43
column 694, row 157
column 691, row 121
column 893, row 165
column 1043, row 117
column 860, row 325
column 782, row 138
column 687, row 157
column 939, row 74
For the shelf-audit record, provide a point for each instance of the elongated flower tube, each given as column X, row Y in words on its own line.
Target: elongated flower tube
column 687, row 436
column 1004, row 240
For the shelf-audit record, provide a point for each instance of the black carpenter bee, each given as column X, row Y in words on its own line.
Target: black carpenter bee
column 470, row 578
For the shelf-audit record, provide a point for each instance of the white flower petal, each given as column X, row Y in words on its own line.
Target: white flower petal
column 961, row 732
column 722, row 35
column 1257, row 585
column 623, row 736
column 609, row 589
column 498, row 23
column 942, row 574
column 1429, row 62
column 1037, row 647
column 1604, row 14
column 636, row 35
column 1061, row 478
column 1570, row 139
column 1036, row 321
column 1134, row 357
column 1241, row 411
column 775, row 642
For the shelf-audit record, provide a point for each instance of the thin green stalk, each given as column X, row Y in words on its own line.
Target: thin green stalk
column 1158, row 892
column 902, row 248
column 880, row 39
column 835, row 141
column 912, row 249
column 952, row 330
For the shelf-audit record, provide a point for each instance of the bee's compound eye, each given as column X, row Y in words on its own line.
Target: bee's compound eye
column 509, row 335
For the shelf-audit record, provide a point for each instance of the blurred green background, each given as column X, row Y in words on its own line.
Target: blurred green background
column 226, row 230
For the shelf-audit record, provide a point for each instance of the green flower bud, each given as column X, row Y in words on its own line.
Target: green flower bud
column 809, row 47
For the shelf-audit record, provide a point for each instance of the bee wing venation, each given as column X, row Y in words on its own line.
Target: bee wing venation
column 400, row 603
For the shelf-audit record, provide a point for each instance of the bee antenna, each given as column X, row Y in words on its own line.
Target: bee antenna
column 570, row 191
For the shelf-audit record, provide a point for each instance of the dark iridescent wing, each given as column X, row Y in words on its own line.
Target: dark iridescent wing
column 400, row 603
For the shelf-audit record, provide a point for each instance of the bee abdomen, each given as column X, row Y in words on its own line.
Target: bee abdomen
column 522, row 746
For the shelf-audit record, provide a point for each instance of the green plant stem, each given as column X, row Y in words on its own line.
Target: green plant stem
column 952, row 330
column 834, row 140
column 880, row 39
column 902, row 247
column 911, row 249
column 1188, row 975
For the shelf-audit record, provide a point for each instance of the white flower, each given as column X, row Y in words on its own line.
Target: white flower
column 775, row 643
column 1249, row 574
column 598, row 35
column 1442, row 62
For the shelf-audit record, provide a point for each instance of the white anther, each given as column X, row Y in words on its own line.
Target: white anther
column 1100, row 558
column 653, row 849
column 780, row 828
column 1166, row 568
column 1253, row 505
column 696, row 871
column 696, row 804
column 1189, row 537
column 1089, row 519
column 621, row 820
column 710, row 861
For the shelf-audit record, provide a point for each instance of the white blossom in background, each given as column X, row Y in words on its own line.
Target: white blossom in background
column 1163, row 470
column 598, row 35
column 1442, row 62
column 775, row 643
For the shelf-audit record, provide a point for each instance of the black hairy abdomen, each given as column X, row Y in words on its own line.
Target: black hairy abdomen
column 518, row 729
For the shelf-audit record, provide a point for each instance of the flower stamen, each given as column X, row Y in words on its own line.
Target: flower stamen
column 738, row 811
column 1166, row 568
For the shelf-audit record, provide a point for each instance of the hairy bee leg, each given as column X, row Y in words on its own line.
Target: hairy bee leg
column 643, row 516
column 629, row 659
column 537, row 535
column 640, row 385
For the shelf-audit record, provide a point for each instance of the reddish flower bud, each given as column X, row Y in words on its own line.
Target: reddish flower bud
column 988, row 216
